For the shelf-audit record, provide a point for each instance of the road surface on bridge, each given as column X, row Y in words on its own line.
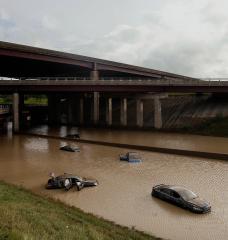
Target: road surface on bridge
column 112, row 85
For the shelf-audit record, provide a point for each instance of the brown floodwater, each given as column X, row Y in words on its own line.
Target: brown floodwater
column 124, row 192
column 145, row 138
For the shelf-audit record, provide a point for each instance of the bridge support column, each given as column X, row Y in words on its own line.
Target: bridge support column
column 157, row 113
column 16, row 112
column 96, row 107
column 123, row 112
column 94, row 75
column 139, row 112
column 81, row 108
column 109, row 111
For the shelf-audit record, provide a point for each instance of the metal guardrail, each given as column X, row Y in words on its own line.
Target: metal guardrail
column 4, row 109
column 149, row 82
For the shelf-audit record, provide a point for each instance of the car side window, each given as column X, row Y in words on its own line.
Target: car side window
column 166, row 191
column 174, row 194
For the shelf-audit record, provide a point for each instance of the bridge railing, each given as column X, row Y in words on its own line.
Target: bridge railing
column 165, row 78
column 4, row 108
column 115, row 81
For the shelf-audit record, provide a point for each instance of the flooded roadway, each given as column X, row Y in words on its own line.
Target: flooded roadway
column 143, row 138
column 124, row 192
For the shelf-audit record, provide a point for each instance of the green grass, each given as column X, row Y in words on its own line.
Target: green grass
column 40, row 100
column 5, row 100
column 36, row 101
column 24, row 215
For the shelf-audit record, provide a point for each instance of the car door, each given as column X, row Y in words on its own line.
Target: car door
column 175, row 197
column 165, row 194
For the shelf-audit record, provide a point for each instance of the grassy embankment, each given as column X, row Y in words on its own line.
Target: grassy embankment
column 42, row 101
column 39, row 100
column 24, row 215
column 5, row 100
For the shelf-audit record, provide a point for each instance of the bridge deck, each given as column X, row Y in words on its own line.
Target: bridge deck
column 112, row 85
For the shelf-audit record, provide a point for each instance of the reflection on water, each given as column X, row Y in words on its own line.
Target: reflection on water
column 124, row 193
column 40, row 144
column 145, row 138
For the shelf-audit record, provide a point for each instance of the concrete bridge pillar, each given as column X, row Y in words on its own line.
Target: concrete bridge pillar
column 94, row 74
column 81, row 108
column 157, row 113
column 109, row 111
column 16, row 112
column 96, row 107
column 123, row 111
column 139, row 112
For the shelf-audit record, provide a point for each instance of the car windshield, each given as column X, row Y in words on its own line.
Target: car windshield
column 187, row 194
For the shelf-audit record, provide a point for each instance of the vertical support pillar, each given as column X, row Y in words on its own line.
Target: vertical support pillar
column 96, row 107
column 109, row 111
column 22, row 119
column 123, row 112
column 139, row 112
column 157, row 113
column 16, row 112
column 81, row 110
column 94, row 74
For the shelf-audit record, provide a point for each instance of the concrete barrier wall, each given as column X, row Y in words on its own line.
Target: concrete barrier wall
column 208, row 155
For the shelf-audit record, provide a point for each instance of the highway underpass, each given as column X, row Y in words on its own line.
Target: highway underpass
column 89, row 84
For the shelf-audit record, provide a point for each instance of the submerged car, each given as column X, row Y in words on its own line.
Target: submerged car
column 130, row 157
column 70, row 148
column 181, row 197
column 67, row 181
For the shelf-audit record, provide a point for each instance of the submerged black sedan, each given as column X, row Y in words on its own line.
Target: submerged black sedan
column 181, row 197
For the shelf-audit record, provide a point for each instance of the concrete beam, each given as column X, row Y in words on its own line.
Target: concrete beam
column 157, row 113
column 151, row 95
column 123, row 111
column 16, row 123
column 109, row 111
column 139, row 113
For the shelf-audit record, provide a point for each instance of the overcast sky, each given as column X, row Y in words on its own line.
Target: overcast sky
column 179, row 36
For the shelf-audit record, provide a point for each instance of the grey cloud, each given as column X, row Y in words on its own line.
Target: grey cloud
column 185, row 37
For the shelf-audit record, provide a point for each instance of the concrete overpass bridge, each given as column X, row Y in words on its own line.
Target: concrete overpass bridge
column 81, row 79
column 120, row 85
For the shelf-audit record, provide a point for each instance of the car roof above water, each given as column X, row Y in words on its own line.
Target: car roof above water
column 133, row 155
column 184, row 192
